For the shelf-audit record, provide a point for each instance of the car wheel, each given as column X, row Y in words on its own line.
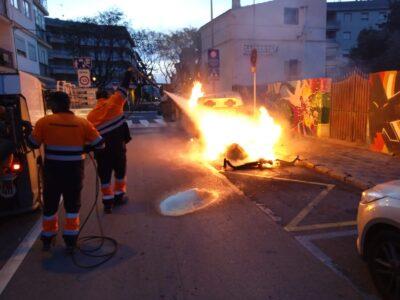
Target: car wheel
column 384, row 263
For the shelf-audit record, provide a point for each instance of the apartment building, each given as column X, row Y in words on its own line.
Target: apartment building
column 288, row 34
column 110, row 47
column 345, row 21
column 23, row 45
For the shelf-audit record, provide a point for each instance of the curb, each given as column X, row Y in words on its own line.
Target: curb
column 344, row 177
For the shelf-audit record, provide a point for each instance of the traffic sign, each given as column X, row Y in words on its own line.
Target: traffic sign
column 83, row 63
column 213, row 63
column 84, row 78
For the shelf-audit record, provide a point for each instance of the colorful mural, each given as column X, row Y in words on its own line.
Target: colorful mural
column 304, row 103
column 384, row 114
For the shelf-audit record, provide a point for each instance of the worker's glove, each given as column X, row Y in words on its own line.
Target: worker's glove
column 88, row 148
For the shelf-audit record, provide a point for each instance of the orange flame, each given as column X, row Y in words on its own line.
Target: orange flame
column 219, row 129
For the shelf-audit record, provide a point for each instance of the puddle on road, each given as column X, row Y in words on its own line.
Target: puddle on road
column 187, row 202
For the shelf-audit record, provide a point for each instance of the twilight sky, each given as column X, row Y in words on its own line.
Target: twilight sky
column 162, row 15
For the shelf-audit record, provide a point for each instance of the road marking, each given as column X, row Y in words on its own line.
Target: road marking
column 16, row 259
column 310, row 206
column 278, row 178
column 161, row 122
column 145, row 123
column 307, row 242
column 320, row 226
column 293, row 225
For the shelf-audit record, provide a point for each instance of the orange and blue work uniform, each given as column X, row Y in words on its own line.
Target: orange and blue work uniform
column 65, row 138
column 109, row 119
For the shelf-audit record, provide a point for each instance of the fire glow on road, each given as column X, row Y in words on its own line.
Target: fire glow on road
column 221, row 128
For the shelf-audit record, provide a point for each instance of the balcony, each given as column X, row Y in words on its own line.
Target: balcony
column 42, row 4
column 6, row 58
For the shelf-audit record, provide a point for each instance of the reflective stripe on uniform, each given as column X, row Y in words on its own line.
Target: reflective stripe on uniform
column 97, row 141
column 111, row 125
column 70, row 232
column 64, row 153
column 65, row 157
column 120, row 186
column 108, row 193
column 72, row 223
column 50, row 225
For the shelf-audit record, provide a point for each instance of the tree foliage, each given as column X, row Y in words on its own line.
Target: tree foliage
column 163, row 52
column 378, row 49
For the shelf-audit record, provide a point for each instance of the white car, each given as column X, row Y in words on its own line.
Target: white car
column 229, row 100
column 378, row 239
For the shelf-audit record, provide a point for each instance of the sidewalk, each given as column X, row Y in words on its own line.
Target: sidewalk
column 348, row 162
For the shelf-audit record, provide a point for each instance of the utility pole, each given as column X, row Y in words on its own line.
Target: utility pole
column 212, row 38
column 254, row 61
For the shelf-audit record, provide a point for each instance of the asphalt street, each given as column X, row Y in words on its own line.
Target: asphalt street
column 261, row 240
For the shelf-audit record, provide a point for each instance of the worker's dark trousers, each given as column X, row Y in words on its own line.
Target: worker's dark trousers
column 109, row 160
column 62, row 178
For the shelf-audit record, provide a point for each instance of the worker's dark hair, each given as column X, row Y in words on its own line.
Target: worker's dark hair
column 59, row 100
column 102, row 94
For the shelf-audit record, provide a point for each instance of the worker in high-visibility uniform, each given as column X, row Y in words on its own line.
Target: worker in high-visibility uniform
column 66, row 138
column 109, row 119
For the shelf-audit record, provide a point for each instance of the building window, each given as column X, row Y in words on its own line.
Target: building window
column 347, row 35
column 365, row 16
column 292, row 68
column 15, row 3
column 20, row 46
column 346, row 53
column 383, row 16
column 26, row 8
column 32, row 52
column 347, row 17
column 291, row 16
column 331, row 34
column 42, row 56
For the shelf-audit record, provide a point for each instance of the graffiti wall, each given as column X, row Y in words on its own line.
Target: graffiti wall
column 305, row 104
column 384, row 112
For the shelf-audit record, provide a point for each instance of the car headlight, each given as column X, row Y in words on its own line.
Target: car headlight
column 370, row 196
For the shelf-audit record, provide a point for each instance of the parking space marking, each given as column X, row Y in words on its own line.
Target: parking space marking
column 278, row 178
column 307, row 242
column 310, row 206
column 321, row 226
column 293, row 225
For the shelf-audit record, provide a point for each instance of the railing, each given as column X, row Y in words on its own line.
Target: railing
column 42, row 3
column 41, row 33
column 6, row 58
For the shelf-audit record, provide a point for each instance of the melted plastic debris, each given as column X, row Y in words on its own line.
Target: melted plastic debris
column 187, row 202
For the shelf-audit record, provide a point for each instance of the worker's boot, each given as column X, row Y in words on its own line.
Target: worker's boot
column 48, row 242
column 120, row 199
column 70, row 242
column 108, row 207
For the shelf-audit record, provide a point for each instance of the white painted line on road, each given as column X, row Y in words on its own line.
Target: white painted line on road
column 16, row 259
column 145, row 123
column 321, row 226
column 307, row 242
column 293, row 225
column 161, row 122
column 278, row 178
column 310, row 206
